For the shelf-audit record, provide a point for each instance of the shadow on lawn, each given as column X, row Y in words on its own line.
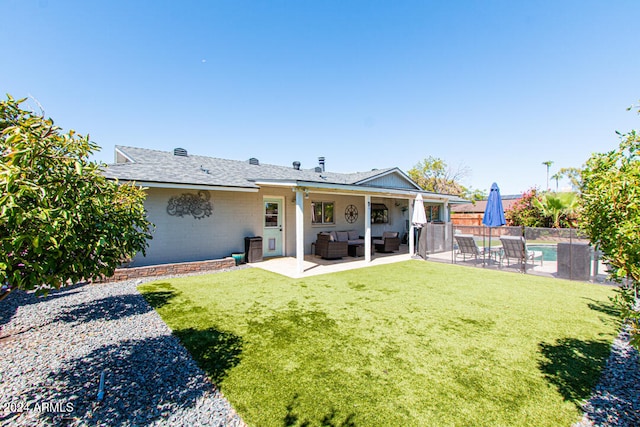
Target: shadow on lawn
column 606, row 308
column 161, row 297
column 215, row 351
column 292, row 419
column 574, row 366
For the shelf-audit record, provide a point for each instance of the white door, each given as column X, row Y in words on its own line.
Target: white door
column 273, row 226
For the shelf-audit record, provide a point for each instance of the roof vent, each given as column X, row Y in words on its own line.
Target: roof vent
column 318, row 169
column 296, row 165
column 254, row 161
column 180, row 152
column 321, row 161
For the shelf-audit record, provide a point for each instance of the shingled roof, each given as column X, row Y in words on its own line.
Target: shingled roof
column 145, row 165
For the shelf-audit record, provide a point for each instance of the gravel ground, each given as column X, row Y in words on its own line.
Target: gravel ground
column 616, row 399
column 54, row 350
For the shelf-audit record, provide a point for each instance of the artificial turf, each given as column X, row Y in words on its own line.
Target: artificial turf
column 412, row 344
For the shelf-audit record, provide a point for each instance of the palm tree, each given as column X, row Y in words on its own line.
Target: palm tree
column 548, row 163
column 557, row 177
column 556, row 205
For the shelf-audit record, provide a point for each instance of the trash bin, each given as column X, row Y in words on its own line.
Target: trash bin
column 574, row 261
column 238, row 257
column 253, row 249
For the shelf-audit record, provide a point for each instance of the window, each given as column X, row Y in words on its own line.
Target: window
column 433, row 212
column 379, row 213
column 271, row 214
column 322, row 213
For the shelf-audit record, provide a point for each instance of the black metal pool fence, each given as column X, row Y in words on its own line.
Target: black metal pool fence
column 564, row 253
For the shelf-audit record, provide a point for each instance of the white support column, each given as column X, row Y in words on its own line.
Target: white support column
column 412, row 243
column 300, row 231
column 445, row 213
column 367, row 228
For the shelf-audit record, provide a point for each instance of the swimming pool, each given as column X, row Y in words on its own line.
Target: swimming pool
column 549, row 251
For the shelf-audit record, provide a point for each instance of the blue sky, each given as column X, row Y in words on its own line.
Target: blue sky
column 496, row 86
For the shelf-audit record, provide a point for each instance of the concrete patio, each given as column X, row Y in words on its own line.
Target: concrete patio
column 314, row 265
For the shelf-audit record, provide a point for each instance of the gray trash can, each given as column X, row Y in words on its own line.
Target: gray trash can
column 253, row 249
column 574, row 261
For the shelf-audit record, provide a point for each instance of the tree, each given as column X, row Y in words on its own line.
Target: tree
column 433, row 174
column 61, row 221
column 523, row 212
column 548, row 163
column 557, row 176
column 557, row 206
column 610, row 215
column 573, row 174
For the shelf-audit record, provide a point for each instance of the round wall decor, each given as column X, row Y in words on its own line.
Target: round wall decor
column 351, row 214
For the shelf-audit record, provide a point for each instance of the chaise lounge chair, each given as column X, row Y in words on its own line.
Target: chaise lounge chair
column 515, row 247
column 467, row 246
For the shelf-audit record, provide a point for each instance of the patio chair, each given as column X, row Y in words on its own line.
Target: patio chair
column 515, row 247
column 330, row 249
column 390, row 242
column 467, row 246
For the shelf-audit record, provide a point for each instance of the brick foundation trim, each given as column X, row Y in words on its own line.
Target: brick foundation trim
column 169, row 269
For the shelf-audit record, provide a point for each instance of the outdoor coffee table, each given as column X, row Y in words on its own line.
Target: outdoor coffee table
column 356, row 250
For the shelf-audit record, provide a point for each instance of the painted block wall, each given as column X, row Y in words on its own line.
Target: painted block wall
column 180, row 239
column 237, row 215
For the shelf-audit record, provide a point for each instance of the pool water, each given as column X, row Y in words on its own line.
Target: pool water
column 549, row 252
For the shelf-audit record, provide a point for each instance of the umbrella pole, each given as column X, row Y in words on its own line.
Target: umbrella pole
column 489, row 244
column 484, row 242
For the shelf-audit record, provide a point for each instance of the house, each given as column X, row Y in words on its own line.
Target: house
column 471, row 214
column 204, row 208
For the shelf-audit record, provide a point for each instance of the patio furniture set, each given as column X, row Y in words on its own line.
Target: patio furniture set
column 513, row 248
column 338, row 244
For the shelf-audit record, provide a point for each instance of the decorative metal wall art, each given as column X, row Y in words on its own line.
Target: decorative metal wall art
column 197, row 205
column 351, row 214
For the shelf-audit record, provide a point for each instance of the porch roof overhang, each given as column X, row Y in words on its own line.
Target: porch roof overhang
column 351, row 189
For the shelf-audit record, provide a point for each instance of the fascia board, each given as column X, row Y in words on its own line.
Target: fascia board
column 350, row 189
column 153, row 184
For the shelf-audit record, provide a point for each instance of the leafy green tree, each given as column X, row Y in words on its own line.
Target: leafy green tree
column 61, row 221
column 524, row 212
column 433, row 174
column 610, row 215
column 557, row 206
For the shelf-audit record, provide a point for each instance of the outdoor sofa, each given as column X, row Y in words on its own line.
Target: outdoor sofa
column 335, row 244
column 389, row 242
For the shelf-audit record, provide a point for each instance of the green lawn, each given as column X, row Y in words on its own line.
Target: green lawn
column 407, row 344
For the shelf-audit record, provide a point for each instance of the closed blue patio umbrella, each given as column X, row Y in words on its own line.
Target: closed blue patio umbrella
column 494, row 212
